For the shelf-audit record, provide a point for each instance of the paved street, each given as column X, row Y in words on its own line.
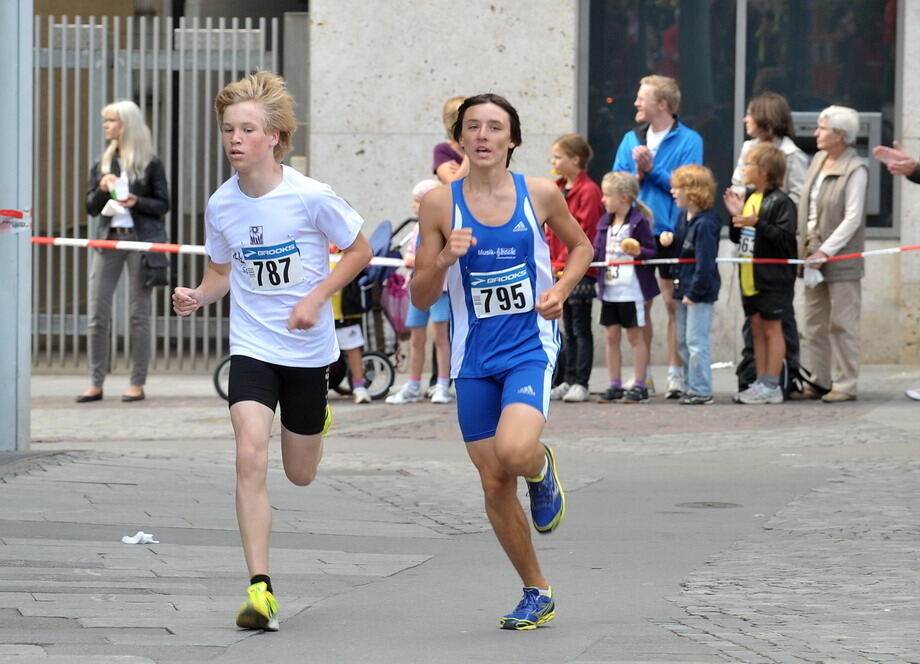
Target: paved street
column 724, row 533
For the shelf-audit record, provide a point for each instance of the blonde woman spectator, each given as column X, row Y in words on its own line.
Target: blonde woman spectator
column 127, row 187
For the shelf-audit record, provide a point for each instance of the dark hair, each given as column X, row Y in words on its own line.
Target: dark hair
column 501, row 102
column 771, row 113
column 575, row 145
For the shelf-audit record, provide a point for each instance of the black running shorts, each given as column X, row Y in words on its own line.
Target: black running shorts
column 623, row 314
column 301, row 391
column 771, row 305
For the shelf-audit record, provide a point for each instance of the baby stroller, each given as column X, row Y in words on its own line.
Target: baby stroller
column 379, row 293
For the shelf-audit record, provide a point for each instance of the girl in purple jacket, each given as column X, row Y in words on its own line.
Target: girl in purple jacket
column 625, row 234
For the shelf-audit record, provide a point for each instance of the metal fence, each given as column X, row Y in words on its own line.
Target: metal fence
column 172, row 71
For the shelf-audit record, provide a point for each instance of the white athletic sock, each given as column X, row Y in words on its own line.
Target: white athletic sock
column 675, row 371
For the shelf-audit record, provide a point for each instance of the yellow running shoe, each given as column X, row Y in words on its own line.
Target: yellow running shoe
column 327, row 423
column 259, row 609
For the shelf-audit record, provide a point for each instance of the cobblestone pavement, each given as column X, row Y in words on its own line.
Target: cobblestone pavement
column 833, row 576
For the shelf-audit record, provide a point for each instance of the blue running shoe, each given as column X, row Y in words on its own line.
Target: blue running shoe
column 533, row 610
column 547, row 498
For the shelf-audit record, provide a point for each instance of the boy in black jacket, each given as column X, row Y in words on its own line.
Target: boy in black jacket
column 764, row 225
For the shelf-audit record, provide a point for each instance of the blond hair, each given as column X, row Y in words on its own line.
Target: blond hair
column 666, row 89
column 271, row 92
column 134, row 146
column 449, row 113
column 624, row 182
column 699, row 184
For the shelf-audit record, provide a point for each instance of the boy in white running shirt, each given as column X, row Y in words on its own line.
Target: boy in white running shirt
column 268, row 232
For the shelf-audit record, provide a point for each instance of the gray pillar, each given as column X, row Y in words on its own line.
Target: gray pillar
column 15, row 244
column 295, row 64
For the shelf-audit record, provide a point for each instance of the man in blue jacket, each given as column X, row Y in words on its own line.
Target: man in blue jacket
column 652, row 151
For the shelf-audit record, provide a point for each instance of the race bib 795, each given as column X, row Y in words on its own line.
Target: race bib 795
column 502, row 292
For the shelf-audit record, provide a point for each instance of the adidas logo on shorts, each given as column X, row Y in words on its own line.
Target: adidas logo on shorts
column 520, row 228
column 528, row 390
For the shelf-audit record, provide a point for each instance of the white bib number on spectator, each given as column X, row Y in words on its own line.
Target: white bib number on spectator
column 273, row 268
column 501, row 293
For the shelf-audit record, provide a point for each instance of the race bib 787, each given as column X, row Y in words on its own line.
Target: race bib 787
column 273, row 268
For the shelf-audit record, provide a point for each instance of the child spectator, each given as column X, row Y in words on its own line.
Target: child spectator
column 347, row 310
column 625, row 234
column 697, row 285
column 764, row 225
column 570, row 156
column 417, row 322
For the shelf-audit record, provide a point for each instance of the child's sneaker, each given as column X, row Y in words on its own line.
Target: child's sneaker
column 407, row 394
column 675, row 387
column 259, row 609
column 361, row 395
column 440, row 394
column 612, row 394
column 636, row 394
column 758, row 393
column 696, row 400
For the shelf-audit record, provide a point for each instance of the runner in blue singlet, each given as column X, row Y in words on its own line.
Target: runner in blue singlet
column 485, row 233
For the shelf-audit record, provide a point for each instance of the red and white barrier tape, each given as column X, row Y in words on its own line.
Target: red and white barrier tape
column 759, row 261
column 165, row 247
column 130, row 245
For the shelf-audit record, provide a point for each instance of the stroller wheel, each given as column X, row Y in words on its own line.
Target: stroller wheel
column 379, row 374
column 222, row 378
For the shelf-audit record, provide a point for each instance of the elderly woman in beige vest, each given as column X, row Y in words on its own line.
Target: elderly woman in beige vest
column 832, row 221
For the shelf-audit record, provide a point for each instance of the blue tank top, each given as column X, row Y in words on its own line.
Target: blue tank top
column 493, row 290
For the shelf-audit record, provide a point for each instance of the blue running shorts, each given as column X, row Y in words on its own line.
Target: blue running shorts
column 439, row 313
column 480, row 401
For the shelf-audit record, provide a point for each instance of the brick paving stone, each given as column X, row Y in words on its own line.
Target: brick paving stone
column 835, row 574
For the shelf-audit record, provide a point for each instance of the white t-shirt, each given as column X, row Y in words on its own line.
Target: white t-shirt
column 621, row 284
column 278, row 247
column 653, row 139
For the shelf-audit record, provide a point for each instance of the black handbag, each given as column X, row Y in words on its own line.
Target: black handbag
column 156, row 269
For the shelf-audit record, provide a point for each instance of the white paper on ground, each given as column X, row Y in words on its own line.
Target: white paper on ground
column 140, row 538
